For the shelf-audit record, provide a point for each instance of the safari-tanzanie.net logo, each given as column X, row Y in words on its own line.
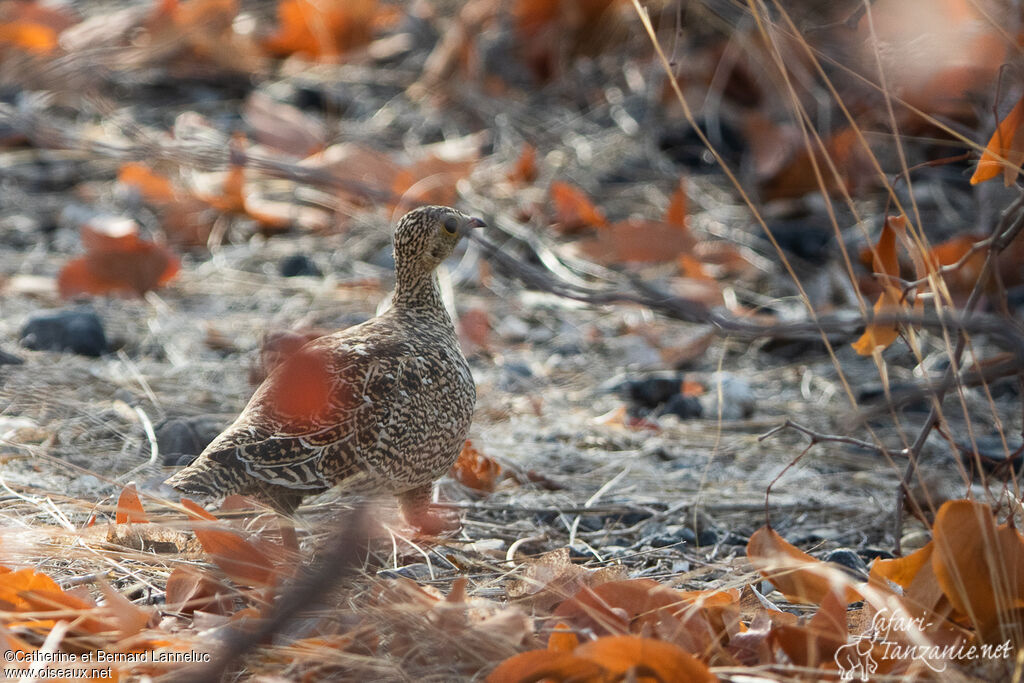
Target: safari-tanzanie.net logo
column 896, row 636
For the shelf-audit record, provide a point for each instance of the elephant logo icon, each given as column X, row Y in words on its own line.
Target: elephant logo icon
column 855, row 659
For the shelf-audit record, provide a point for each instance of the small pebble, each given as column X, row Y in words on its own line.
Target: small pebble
column 77, row 330
column 515, row 377
column 299, row 265
column 652, row 392
column 182, row 438
column 738, row 399
column 683, row 407
column 849, row 561
column 9, row 359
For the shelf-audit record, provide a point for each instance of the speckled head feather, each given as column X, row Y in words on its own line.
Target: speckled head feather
column 389, row 401
column 424, row 238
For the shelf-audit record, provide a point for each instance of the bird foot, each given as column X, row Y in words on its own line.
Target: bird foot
column 433, row 521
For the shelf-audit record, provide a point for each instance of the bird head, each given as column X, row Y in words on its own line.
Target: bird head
column 426, row 236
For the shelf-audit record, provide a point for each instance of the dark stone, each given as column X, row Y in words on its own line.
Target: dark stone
column 417, row 572
column 869, row 554
column 298, row 265
column 665, row 540
column 849, row 561
column 685, row 407
column 581, row 553
column 591, row 523
column 808, row 238
column 682, row 145
column 9, row 359
column 629, row 519
column 651, row 392
column 515, row 378
column 180, row 439
column 795, row 349
column 77, row 330
column 733, row 538
column 707, row 537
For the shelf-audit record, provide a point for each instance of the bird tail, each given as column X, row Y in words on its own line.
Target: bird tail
column 205, row 477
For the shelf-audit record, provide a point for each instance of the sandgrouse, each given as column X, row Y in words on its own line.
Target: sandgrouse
column 381, row 407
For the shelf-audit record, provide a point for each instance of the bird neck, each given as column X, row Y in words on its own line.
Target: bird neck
column 418, row 290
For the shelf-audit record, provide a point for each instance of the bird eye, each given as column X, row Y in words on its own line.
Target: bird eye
column 450, row 225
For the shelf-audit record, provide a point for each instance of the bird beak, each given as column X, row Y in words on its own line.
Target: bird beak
column 476, row 223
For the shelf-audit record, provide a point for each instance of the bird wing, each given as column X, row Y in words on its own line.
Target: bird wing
column 318, row 414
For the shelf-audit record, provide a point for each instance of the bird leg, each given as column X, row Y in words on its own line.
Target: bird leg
column 420, row 513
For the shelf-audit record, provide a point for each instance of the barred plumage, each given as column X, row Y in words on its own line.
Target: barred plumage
column 384, row 406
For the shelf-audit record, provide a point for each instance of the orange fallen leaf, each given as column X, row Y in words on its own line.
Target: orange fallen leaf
column 886, row 266
column 900, row 570
column 189, row 589
column 13, row 583
column 797, row 575
column 545, row 665
column 620, row 655
column 318, row 29
column 475, row 470
column 475, row 330
column 1005, row 149
column 117, row 261
column 525, row 170
column 430, row 180
column 980, row 567
column 574, row 212
column 238, row 558
column 301, row 388
column 152, row 186
column 562, row 639
column 129, row 507
column 677, row 208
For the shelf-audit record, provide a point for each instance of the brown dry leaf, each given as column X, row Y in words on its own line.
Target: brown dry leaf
column 677, row 211
column 613, row 607
column 797, row 575
column 525, row 170
column 152, row 186
column 544, row 665
column 620, row 655
column 32, row 27
column 129, row 617
column 886, row 266
column 980, row 567
column 431, row 180
column 322, row 30
column 797, row 178
column 283, row 127
column 475, row 330
column 638, row 240
column 190, row 589
column 238, row 558
column 475, row 470
column 360, row 170
column 276, row 347
column 1005, row 149
column 574, row 212
column 961, row 281
column 937, row 54
column 14, row 583
column 562, row 639
column 197, row 35
column 117, row 261
column 900, row 570
column 698, row 621
column 553, row 577
column 129, row 507
column 548, row 30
